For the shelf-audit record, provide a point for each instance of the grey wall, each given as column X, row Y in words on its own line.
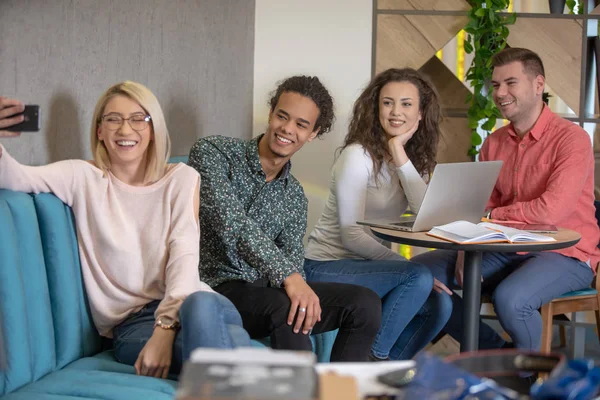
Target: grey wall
column 195, row 55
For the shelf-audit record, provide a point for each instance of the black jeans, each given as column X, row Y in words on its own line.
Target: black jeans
column 355, row 310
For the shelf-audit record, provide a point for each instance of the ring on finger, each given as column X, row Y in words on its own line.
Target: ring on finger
column 302, row 309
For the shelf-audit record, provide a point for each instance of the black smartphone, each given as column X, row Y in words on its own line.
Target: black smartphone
column 31, row 123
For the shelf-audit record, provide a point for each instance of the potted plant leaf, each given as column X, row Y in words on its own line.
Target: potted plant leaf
column 486, row 35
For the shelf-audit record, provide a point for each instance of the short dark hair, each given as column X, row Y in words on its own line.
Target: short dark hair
column 532, row 63
column 311, row 87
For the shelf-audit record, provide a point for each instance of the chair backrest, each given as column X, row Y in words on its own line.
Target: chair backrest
column 45, row 321
column 178, row 159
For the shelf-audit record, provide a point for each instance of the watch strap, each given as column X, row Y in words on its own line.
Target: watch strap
column 174, row 325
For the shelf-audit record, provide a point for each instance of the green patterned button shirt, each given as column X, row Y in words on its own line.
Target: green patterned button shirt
column 249, row 229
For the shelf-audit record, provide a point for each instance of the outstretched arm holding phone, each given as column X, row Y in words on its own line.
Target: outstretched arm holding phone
column 8, row 109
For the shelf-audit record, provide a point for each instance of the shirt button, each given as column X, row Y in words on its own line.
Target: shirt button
column 516, row 169
column 515, row 194
column 522, row 145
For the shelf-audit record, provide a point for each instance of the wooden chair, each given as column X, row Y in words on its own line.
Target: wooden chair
column 580, row 300
column 572, row 302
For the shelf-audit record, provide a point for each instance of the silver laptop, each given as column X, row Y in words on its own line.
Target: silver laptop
column 457, row 191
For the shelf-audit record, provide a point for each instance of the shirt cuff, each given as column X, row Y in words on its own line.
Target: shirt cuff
column 279, row 284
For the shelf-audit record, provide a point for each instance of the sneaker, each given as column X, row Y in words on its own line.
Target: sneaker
column 508, row 345
column 377, row 359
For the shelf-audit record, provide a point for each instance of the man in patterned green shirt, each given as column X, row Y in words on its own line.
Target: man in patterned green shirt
column 252, row 222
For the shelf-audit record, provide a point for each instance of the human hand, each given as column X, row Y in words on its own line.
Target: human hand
column 305, row 303
column 396, row 145
column 459, row 272
column 155, row 358
column 8, row 108
column 440, row 287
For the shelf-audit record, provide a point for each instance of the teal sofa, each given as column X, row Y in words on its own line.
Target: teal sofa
column 49, row 347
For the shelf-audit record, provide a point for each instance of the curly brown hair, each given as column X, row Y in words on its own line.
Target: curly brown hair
column 311, row 87
column 366, row 130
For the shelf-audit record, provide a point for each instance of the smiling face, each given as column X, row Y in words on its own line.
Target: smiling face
column 291, row 124
column 399, row 107
column 125, row 146
column 517, row 94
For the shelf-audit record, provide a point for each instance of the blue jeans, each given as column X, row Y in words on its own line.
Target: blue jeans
column 412, row 314
column 207, row 320
column 519, row 283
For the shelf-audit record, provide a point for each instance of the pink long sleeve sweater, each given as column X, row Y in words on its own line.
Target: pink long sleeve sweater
column 136, row 244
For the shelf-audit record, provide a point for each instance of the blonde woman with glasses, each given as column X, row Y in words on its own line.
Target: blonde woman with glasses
column 137, row 227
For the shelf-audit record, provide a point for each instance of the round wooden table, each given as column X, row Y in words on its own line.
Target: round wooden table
column 472, row 274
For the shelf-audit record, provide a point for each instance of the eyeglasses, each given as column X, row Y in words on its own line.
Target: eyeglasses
column 136, row 122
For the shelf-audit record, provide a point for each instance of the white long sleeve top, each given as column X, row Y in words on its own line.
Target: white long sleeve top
column 136, row 243
column 354, row 195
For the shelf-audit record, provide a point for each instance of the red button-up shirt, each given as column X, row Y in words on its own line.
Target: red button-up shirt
column 547, row 178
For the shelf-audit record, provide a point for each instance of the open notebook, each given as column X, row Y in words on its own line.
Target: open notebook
column 464, row 232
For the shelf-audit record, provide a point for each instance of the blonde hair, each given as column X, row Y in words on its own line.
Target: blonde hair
column 159, row 149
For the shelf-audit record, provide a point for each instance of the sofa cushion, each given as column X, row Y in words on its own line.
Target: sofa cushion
column 40, row 396
column 26, row 327
column 97, row 377
column 96, row 384
column 104, row 361
column 74, row 331
column 178, row 159
column 44, row 320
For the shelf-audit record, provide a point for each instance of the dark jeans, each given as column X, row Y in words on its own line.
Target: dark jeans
column 413, row 314
column 519, row 283
column 355, row 310
column 207, row 320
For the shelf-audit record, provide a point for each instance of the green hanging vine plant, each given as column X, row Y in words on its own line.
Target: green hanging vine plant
column 575, row 7
column 486, row 35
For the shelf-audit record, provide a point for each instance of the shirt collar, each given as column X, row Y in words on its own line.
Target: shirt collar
column 540, row 125
column 254, row 160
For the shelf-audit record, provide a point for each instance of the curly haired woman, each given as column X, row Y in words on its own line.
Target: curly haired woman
column 381, row 170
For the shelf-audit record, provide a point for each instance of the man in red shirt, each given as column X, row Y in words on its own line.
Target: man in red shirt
column 547, row 177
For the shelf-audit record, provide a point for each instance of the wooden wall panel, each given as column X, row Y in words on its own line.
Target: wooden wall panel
column 452, row 91
column 558, row 43
column 455, row 141
column 434, row 5
column 411, row 40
